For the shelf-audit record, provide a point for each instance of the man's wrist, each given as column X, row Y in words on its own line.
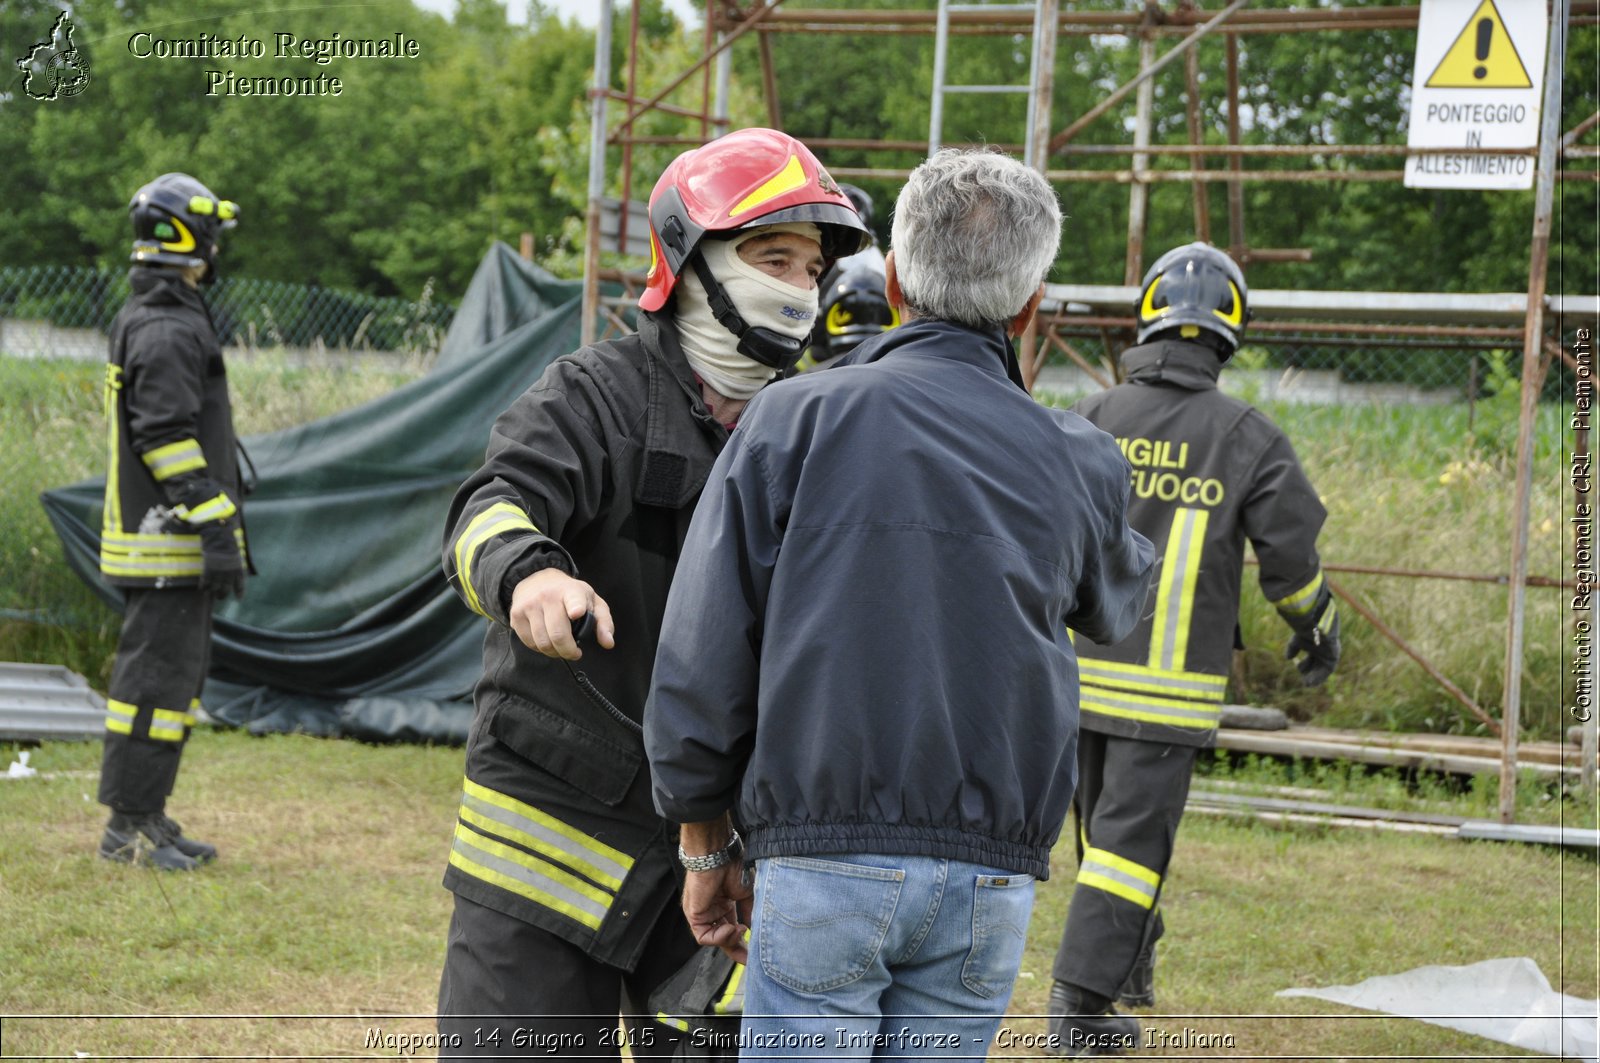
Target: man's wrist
column 727, row 854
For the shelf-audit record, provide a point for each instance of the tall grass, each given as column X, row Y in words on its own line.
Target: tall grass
column 1424, row 489
column 52, row 433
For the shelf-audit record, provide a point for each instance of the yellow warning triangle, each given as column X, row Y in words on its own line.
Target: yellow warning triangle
column 1482, row 56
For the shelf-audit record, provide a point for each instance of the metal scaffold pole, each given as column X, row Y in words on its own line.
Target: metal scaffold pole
column 1532, row 352
column 597, row 172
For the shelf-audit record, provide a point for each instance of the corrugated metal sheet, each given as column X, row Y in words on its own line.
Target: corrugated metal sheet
column 48, row 702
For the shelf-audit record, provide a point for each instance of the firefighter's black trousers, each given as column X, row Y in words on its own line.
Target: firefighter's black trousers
column 511, row 989
column 1129, row 803
column 155, row 687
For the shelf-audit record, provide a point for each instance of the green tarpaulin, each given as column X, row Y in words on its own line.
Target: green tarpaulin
column 350, row 629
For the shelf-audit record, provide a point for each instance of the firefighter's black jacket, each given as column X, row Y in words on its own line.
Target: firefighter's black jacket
column 170, row 422
column 1209, row 472
column 595, row 469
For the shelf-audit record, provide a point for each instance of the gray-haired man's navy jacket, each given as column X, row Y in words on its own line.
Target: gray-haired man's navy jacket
column 865, row 648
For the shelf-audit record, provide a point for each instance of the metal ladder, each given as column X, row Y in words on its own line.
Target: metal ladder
column 1043, row 48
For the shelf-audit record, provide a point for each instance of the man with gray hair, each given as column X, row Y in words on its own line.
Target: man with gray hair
column 865, row 661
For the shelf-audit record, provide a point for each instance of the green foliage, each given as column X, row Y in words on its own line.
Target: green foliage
column 1410, row 488
column 1498, row 413
column 418, row 165
column 409, row 174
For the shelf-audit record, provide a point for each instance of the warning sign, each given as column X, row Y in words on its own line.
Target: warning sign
column 1479, row 67
column 1483, row 56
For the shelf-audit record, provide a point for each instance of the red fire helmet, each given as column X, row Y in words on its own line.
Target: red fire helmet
column 748, row 178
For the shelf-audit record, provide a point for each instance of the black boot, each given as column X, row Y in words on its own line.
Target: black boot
column 1139, row 989
column 198, row 851
column 1083, row 1023
column 143, row 839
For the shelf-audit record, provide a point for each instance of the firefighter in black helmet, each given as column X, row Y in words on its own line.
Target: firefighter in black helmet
column 172, row 535
column 854, row 307
column 1209, row 472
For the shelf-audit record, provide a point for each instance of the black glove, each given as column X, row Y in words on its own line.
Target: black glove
column 222, row 572
column 201, row 505
column 1319, row 641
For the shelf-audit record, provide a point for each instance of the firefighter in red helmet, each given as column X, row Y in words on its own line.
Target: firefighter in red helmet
column 566, row 881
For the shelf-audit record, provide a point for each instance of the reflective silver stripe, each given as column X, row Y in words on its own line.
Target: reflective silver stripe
column 212, row 509
column 1148, row 709
column 542, row 838
column 1303, row 600
column 499, row 519
column 150, row 563
column 167, row 725
column 1170, row 640
column 151, row 569
column 166, row 462
column 131, row 540
column 1194, row 685
column 1123, row 878
column 112, row 517
column 732, row 999
column 502, row 866
column 119, row 716
column 149, row 556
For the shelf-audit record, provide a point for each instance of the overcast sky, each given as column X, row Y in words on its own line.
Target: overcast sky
column 585, row 11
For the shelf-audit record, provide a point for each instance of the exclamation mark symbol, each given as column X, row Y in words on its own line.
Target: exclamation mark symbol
column 1485, row 34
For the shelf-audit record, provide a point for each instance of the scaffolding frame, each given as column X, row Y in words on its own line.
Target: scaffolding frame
column 728, row 21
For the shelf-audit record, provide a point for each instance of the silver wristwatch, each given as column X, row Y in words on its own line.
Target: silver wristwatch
column 711, row 861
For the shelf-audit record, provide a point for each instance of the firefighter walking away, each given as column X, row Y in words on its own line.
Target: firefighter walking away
column 1209, row 472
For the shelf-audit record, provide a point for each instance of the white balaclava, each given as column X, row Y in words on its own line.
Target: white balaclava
column 762, row 300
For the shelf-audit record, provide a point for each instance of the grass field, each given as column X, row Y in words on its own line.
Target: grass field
column 1425, row 488
column 326, row 902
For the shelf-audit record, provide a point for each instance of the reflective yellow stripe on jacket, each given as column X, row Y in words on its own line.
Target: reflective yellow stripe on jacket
column 1146, row 708
column 1301, row 601
column 174, row 459
column 502, row 518
column 1169, row 638
column 1142, row 679
column 731, row 1002
column 219, row 507
column 131, row 554
column 113, row 505
column 511, row 844
column 1163, row 691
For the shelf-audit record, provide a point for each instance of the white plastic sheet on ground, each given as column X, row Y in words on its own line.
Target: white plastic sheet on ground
column 1507, row 1000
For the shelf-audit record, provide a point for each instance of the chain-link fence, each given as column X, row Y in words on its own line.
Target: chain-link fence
column 1334, row 364
column 66, row 311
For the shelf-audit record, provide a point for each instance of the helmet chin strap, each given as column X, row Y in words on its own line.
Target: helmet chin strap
column 766, row 346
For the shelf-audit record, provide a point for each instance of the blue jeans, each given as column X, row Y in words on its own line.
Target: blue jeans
column 854, row 957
